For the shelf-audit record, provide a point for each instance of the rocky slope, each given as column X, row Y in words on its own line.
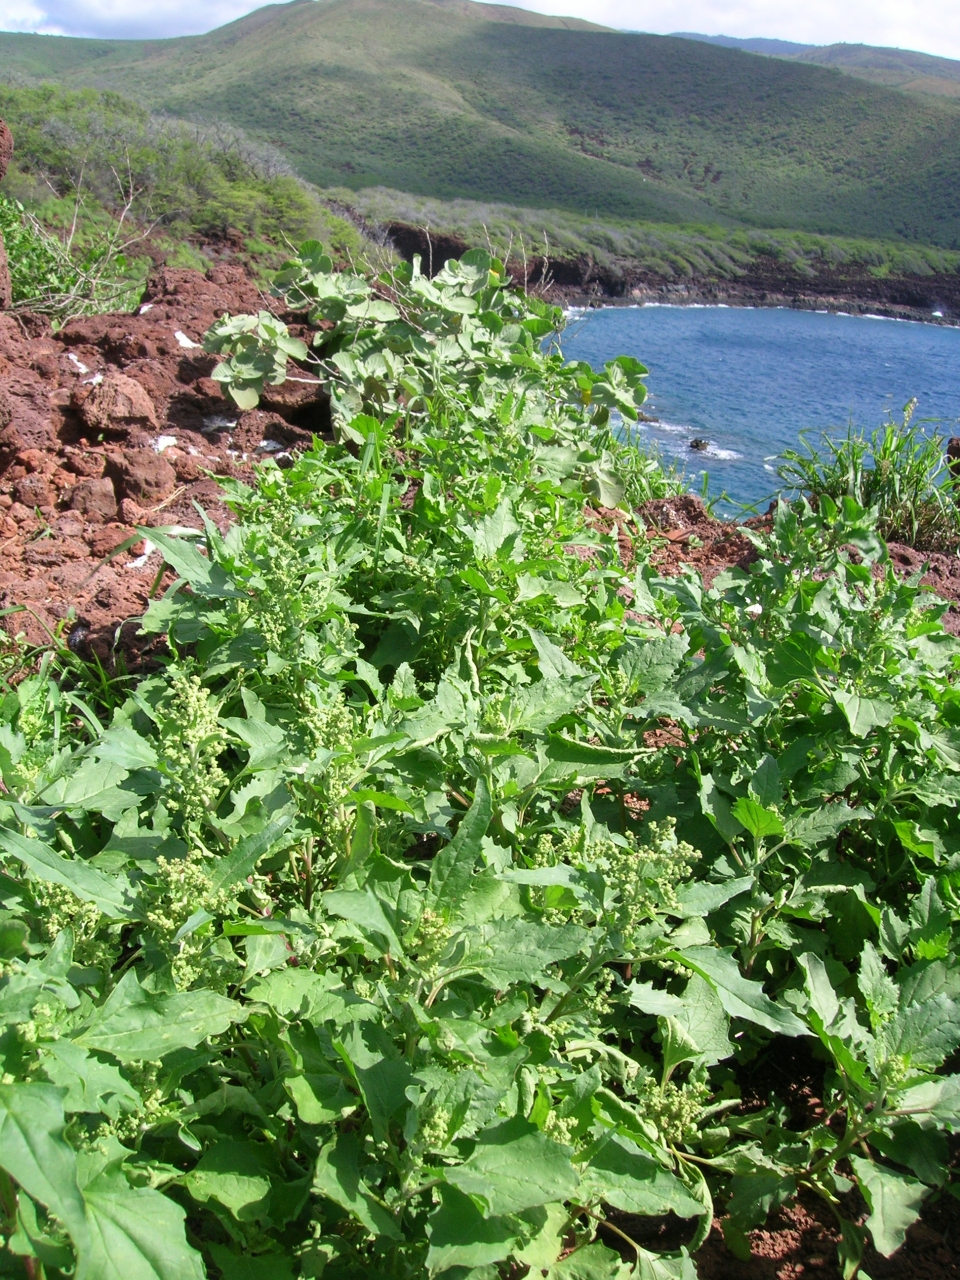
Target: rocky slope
column 114, row 423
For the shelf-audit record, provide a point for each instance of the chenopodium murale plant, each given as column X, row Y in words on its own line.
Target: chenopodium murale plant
column 181, row 888
column 28, row 735
column 58, row 908
column 328, row 728
column 191, row 742
column 641, row 874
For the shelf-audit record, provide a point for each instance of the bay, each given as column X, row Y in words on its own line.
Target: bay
column 750, row 380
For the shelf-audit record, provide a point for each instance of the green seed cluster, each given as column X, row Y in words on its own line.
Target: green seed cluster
column 58, row 908
column 192, row 741
column 675, row 1110
column 646, row 874
column 182, row 887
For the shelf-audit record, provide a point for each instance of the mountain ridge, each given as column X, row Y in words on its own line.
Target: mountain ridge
column 906, row 69
column 454, row 99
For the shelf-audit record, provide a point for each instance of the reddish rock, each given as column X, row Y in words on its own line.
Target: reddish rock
column 145, row 477
column 49, row 552
column 34, row 491
column 95, row 499
column 186, row 467
column 36, row 460
column 131, row 512
column 87, row 463
column 115, row 406
column 102, row 541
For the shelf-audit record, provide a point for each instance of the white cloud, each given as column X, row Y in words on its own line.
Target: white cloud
column 929, row 25
column 932, row 26
column 120, row 18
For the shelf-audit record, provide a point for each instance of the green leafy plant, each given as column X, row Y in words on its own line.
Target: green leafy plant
column 425, row 913
column 50, row 278
column 900, row 469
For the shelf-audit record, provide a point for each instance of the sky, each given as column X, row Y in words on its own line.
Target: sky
column 932, row 26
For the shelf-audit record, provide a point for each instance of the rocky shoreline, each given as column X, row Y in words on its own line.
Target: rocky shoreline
column 583, row 282
column 710, row 293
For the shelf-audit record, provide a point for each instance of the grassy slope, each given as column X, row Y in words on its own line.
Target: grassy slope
column 895, row 68
column 622, row 248
column 191, row 188
column 437, row 99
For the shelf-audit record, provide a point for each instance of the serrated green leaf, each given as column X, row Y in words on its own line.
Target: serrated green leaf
column 894, row 1200
column 863, row 714
column 461, row 1236
column 740, row 997
column 232, row 1173
column 91, row 1085
column 758, row 821
column 591, row 1262
column 452, row 869
column 337, row 1176
column 136, row 1233
column 624, row 1176
column 137, row 1025
column 113, row 895
column 33, row 1151
column 513, row 950
column 515, row 1167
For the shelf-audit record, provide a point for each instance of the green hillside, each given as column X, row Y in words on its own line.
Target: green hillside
column 895, row 68
column 447, row 98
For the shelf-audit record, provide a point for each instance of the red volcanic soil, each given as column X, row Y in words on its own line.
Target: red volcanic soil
column 115, row 422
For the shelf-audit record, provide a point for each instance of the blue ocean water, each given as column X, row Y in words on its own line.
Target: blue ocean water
column 749, row 380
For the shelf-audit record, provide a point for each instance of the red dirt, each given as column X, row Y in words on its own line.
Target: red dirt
column 115, row 422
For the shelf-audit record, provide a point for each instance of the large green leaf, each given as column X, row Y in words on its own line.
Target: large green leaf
column 514, row 1167
column 314, row 997
column 239, row 863
column 384, row 1084
column 894, row 1201
column 113, row 895
column 233, row 1173
column 621, row 1174
column 137, row 1025
column 863, row 714
column 648, row 664
column 592, row 1261
column 34, row 1152
column 512, row 950
column 91, row 1085
column 205, row 576
column 702, row 1016
column 462, row 1237
column 452, row 869
column 493, row 530
column 740, row 997
column 135, row 1233
column 363, row 908
column 337, row 1176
